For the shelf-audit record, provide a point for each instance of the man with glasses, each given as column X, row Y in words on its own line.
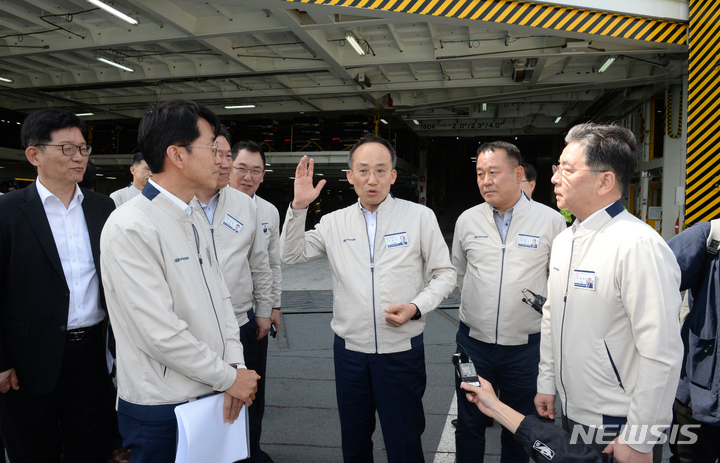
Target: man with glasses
column 380, row 298
column 239, row 245
column 500, row 249
column 57, row 395
column 141, row 173
column 176, row 331
column 246, row 175
column 611, row 342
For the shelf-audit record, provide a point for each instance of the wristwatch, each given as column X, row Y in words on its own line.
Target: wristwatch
column 417, row 313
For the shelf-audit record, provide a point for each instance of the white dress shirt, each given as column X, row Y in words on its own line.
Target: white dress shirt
column 72, row 241
column 371, row 224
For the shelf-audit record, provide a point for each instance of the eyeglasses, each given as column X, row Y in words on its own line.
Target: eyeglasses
column 70, row 150
column 365, row 173
column 558, row 169
column 243, row 172
column 214, row 148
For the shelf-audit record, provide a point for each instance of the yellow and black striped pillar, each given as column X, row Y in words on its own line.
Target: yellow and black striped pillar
column 702, row 188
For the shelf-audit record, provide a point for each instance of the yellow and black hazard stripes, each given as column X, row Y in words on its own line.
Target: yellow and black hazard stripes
column 531, row 14
column 702, row 190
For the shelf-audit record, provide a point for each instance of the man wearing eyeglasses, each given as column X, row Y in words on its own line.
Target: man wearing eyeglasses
column 54, row 378
column 611, row 344
column 380, row 299
column 239, row 244
column 176, row 331
column 246, row 175
column 500, row 248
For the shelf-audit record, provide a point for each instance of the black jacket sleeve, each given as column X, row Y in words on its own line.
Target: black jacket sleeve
column 546, row 442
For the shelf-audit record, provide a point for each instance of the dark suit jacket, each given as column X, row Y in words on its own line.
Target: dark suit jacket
column 34, row 296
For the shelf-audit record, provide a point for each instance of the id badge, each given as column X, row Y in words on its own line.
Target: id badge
column 232, row 224
column 584, row 279
column 528, row 241
column 396, row 240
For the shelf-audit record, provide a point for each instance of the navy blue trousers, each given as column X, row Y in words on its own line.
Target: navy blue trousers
column 513, row 371
column 248, row 338
column 392, row 384
column 148, row 431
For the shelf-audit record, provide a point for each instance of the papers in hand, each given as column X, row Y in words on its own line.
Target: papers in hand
column 203, row 435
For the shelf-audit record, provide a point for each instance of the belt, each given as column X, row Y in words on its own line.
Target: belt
column 81, row 333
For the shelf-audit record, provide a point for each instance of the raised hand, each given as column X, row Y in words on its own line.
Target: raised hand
column 305, row 193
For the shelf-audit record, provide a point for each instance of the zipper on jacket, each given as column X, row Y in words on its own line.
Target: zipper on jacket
column 562, row 325
column 372, row 281
column 502, row 268
column 617, row 373
column 202, row 269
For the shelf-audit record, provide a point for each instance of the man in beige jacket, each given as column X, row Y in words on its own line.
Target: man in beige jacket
column 176, row 332
column 381, row 251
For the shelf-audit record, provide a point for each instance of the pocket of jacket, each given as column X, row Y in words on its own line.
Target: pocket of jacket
column 614, row 367
column 701, row 360
column 16, row 328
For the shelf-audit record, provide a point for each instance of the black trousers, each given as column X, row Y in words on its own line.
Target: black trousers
column 707, row 447
column 248, row 337
column 74, row 416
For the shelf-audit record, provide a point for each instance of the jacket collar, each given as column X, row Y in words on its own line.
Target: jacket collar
column 386, row 205
column 601, row 218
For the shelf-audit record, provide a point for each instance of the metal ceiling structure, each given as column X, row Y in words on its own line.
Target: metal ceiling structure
column 439, row 74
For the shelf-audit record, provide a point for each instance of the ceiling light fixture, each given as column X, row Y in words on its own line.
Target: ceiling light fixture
column 383, row 121
column 606, row 64
column 240, row 106
column 84, row 114
column 113, row 11
column 5, row 79
column 416, row 122
column 484, row 106
column 117, row 65
column 354, row 43
column 558, row 119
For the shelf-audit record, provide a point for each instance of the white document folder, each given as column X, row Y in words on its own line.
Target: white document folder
column 203, row 436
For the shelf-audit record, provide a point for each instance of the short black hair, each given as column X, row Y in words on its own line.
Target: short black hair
column 530, row 172
column 137, row 158
column 607, row 148
column 174, row 122
column 90, row 177
column 249, row 146
column 39, row 126
column 224, row 132
column 372, row 138
column 513, row 153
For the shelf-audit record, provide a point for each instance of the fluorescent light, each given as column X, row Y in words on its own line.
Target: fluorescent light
column 484, row 106
column 84, row 114
column 111, row 178
column 354, row 43
column 558, row 119
column 606, row 64
column 113, row 63
column 240, row 106
column 99, row 174
column 5, row 79
column 268, row 170
column 113, row 11
column 320, row 174
column 416, row 122
column 383, row 121
column 344, row 170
